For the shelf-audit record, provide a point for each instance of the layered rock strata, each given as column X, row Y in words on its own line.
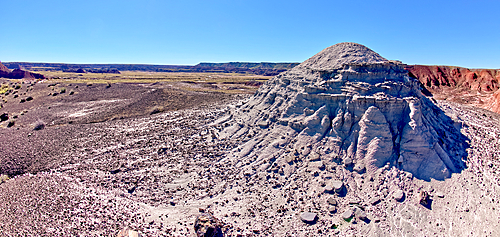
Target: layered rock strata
column 18, row 73
column 477, row 87
column 347, row 104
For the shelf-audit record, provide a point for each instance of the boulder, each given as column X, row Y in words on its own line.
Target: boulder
column 332, row 201
column 398, row 195
column 348, row 214
column 337, row 185
column 308, row 217
column 207, row 225
column 423, row 198
column 360, row 214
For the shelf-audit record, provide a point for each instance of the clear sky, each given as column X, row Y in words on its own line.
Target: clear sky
column 458, row 33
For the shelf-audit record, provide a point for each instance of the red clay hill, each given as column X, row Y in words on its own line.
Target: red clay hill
column 18, row 73
column 477, row 87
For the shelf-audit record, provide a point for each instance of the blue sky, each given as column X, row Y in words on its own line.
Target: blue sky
column 459, row 33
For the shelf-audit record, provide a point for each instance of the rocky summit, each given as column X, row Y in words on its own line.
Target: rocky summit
column 348, row 105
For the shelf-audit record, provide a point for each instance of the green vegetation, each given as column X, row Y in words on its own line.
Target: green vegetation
column 4, row 89
column 11, row 123
column 208, row 82
column 3, row 178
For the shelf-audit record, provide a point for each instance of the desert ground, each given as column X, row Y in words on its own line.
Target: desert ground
column 90, row 155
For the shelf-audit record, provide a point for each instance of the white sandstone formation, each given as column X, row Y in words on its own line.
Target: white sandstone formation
column 346, row 104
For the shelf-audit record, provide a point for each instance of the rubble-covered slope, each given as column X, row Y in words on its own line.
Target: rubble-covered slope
column 347, row 104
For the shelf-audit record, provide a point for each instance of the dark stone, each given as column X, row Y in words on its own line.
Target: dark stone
column 207, row 225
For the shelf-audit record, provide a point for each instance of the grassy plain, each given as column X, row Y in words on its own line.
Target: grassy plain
column 213, row 82
column 151, row 77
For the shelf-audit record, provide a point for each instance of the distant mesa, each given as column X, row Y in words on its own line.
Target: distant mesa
column 92, row 70
column 262, row 68
column 348, row 105
column 18, row 73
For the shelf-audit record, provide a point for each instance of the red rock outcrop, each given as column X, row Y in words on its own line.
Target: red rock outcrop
column 3, row 68
column 477, row 87
column 18, row 73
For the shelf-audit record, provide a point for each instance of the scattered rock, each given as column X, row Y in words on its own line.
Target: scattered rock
column 423, row 198
column 332, row 201
column 127, row 232
column 374, row 200
column 328, row 188
column 308, row 217
column 440, row 194
column 398, row 195
column 359, row 213
column 337, row 185
column 207, row 225
column 347, row 215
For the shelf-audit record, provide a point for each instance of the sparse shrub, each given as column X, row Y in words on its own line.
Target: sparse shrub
column 4, row 89
column 18, row 87
column 71, row 92
column 108, row 85
column 11, row 123
column 4, row 117
column 3, row 178
column 29, row 98
column 156, row 110
column 39, row 125
column 63, row 90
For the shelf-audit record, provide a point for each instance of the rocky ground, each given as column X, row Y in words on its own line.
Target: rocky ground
column 154, row 157
column 155, row 174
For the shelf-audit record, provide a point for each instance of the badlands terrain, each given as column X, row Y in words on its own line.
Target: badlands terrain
column 343, row 144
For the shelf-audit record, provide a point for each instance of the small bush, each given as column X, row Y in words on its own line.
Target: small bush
column 39, row 125
column 4, row 89
column 3, row 178
column 11, row 123
column 63, row 90
column 156, row 110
